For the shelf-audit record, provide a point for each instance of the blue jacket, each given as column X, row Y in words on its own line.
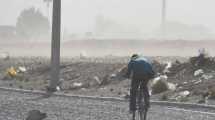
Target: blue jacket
column 140, row 67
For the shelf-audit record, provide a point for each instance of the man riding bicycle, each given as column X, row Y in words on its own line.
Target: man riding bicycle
column 142, row 71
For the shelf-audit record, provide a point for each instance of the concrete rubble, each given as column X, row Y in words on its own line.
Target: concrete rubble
column 193, row 74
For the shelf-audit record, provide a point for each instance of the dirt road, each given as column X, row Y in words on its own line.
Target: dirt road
column 15, row 105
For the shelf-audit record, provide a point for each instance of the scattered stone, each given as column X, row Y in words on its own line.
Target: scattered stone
column 96, row 78
column 113, row 76
column 77, row 84
column 197, row 82
column 198, row 72
column 180, row 87
column 193, row 80
column 22, row 69
column 171, row 86
column 36, row 115
column 111, row 89
column 58, row 88
column 126, row 95
column 168, row 66
column 161, row 77
column 83, row 89
column 184, row 93
column 11, row 84
column 103, row 88
column 206, row 77
column 21, row 87
column 185, row 82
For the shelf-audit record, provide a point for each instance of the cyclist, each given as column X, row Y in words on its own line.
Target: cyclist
column 142, row 71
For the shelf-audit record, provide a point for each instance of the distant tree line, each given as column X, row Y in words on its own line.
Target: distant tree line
column 31, row 23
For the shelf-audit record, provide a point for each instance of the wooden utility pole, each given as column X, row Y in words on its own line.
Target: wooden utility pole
column 55, row 46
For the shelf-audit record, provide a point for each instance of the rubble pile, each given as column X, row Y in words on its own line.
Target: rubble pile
column 195, row 76
column 196, row 69
column 181, row 79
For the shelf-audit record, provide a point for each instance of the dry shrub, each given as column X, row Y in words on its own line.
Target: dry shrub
column 159, row 87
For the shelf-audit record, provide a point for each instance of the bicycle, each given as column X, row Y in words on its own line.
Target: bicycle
column 142, row 109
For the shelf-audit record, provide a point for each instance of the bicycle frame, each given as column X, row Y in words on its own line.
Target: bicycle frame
column 141, row 108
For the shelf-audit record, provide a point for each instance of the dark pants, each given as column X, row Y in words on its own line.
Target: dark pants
column 135, row 84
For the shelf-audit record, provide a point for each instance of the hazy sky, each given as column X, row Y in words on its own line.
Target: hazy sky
column 79, row 15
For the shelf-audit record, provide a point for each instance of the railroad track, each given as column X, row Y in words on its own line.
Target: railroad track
column 179, row 109
column 179, row 106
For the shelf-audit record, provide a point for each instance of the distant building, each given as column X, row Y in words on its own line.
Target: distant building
column 7, row 32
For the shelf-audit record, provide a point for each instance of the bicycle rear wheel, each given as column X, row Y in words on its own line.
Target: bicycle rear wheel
column 142, row 108
column 142, row 114
column 138, row 115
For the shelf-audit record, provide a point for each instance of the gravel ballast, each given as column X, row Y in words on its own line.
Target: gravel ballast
column 15, row 106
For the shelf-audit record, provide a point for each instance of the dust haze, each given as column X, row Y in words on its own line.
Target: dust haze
column 113, row 27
